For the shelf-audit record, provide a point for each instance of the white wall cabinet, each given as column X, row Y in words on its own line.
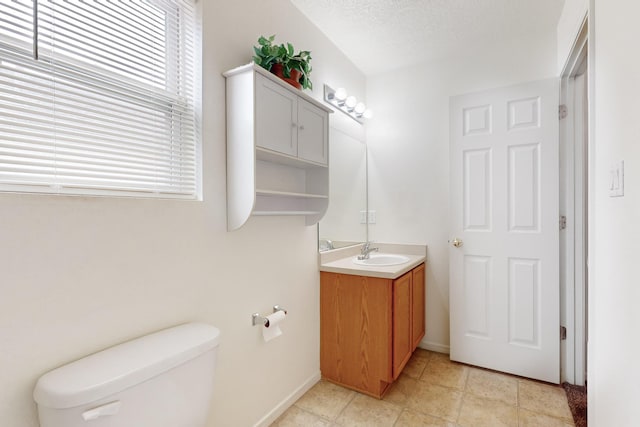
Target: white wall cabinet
column 289, row 124
column 277, row 149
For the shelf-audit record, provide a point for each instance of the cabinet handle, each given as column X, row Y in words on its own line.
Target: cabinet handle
column 301, row 127
column 294, row 125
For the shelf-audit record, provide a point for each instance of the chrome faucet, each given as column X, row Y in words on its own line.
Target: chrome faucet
column 366, row 250
column 326, row 245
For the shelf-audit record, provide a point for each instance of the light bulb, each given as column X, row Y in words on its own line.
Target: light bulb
column 367, row 114
column 341, row 94
column 360, row 108
column 351, row 102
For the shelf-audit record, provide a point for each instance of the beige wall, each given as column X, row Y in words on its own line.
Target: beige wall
column 614, row 292
column 78, row 274
column 573, row 14
column 408, row 144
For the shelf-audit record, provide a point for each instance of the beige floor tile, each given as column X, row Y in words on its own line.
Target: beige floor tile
column 295, row 417
column 480, row 412
column 492, row 385
column 400, row 390
column 415, row 367
column 325, row 399
column 447, row 394
column 366, row 411
column 443, row 372
column 533, row 419
column 435, row 400
column 410, row 418
column 543, row 398
column 422, row 353
column 440, row 356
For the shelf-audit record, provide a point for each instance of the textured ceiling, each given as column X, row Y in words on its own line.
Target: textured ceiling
column 380, row 35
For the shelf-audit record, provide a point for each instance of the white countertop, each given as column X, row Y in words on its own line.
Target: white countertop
column 341, row 260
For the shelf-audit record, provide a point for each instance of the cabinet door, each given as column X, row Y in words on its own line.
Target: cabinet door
column 418, row 302
column 402, row 319
column 313, row 130
column 355, row 331
column 276, row 117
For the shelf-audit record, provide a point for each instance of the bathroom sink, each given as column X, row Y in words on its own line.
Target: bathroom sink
column 382, row 260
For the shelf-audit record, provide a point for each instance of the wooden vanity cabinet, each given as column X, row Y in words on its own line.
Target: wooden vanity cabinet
column 369, row 327
column 418, row 298
column 402, row 342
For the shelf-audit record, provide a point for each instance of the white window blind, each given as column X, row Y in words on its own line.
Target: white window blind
column 108, row 105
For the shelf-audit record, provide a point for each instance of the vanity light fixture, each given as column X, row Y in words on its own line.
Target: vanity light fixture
column 351, row 103
column 348, row 104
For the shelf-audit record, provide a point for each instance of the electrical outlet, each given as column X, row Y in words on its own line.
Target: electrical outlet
column 372, row 217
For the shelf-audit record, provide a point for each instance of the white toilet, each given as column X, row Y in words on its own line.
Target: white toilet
column 164, row 379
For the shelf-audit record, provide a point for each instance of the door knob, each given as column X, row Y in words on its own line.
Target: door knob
column 457, row 242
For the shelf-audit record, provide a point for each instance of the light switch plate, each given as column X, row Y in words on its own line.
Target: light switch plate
column 616, row 179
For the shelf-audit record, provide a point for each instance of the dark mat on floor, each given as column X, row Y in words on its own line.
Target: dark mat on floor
column 577, row 397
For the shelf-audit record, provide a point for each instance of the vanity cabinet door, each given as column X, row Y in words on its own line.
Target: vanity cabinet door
column 418, row 303
column 356, row 331
column 402, row 320
column 313, row 128
column 276, row 118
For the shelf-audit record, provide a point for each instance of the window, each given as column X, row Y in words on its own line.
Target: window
column 97, row 97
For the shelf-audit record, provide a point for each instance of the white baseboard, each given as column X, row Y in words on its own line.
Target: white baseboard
column 288, row 401
column 434, row 346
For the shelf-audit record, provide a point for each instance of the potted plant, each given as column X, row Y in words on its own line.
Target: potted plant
column 301, row 64
column 284, row 62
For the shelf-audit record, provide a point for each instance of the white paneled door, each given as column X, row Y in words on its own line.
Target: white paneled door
column 504, row 265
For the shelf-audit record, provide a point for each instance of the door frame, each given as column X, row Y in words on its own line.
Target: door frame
column 574, row 190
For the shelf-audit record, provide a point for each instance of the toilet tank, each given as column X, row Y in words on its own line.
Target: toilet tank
column 164, row 379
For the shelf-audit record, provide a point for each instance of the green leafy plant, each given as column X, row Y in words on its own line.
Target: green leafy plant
column 301, row 62
column 267, row 53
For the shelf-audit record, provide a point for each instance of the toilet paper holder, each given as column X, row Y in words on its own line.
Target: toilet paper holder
column 258, row 319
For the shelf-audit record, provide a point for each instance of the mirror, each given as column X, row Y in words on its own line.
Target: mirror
column 347, row 193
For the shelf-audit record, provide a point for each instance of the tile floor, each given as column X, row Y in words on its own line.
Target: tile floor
column 432, row 391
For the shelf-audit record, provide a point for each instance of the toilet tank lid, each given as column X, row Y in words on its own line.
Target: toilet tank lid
column 122, row 366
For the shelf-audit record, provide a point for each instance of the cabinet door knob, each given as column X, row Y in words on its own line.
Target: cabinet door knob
column 293, row 125
column 301, row 127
